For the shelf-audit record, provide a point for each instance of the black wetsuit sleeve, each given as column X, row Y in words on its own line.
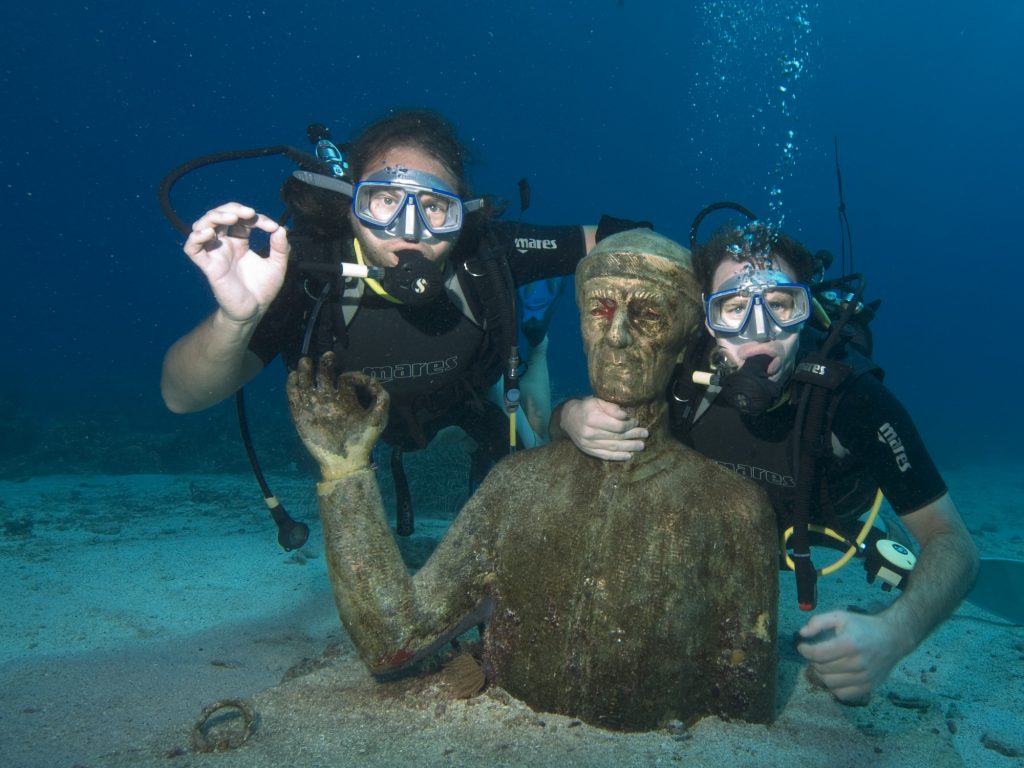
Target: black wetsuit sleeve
column 873, row 425
column 539, row 252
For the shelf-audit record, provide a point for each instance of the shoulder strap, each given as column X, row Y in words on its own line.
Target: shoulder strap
column 493, row 290
column 317, row 264
column 457, row 294
column 829, row 365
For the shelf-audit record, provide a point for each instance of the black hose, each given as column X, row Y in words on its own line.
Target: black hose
column 164, row 193
column 725, row 204
column 290, row 533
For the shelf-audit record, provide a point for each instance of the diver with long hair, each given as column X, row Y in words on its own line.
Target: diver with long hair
column 392, row 264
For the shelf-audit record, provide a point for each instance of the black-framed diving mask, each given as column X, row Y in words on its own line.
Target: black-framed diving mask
column 758, row 305
column 414, row 205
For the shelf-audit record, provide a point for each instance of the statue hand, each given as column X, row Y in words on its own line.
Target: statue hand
column 340, row 419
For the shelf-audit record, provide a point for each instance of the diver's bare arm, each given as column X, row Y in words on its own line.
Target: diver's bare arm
column 943, row 575
column 392, row 620
column 865, row 648
column 208, row 364
column 211, row 362
column 535, row 387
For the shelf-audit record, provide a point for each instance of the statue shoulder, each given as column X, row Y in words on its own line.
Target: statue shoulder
column 724, row 487
column 545, row 464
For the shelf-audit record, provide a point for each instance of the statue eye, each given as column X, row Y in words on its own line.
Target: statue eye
column 603, row 308
column 644, row 313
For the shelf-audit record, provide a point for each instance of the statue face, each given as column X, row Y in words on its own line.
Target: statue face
column 633, row 331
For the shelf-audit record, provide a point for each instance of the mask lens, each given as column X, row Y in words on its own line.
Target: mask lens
column 732, row 310
column 782, row 305
column 440, row 212
column 379, row 204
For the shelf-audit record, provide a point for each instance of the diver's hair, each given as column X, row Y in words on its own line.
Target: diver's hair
column 422, row 129
column 740, row 243
column 323, row 214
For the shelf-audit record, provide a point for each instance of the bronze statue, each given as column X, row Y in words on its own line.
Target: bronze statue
column 625, row 594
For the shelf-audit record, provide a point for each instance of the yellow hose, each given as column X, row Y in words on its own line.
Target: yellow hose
column 845, row 558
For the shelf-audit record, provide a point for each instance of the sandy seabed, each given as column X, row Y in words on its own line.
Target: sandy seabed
column 133, row 602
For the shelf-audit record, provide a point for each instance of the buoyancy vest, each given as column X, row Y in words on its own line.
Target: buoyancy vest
column 476, row 317
column 761, row 447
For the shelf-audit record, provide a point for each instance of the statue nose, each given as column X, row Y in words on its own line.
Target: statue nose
column 618, row 334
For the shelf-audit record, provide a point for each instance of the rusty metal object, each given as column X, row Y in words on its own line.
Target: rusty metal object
column 215, row 736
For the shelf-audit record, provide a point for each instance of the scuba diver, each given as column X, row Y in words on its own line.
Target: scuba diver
column 806, row 417
column 390, row 263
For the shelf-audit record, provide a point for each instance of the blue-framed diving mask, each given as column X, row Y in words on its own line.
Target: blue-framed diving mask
column 758, row 305
column 414, row 205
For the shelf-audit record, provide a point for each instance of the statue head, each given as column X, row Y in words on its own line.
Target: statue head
column 639, row 305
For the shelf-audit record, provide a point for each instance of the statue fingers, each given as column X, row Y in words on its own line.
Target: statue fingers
column 298, row 388
column 325, row 372
column 368, row 395
column 303, row 374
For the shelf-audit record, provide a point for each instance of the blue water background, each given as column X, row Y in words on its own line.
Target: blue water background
column 647, row 110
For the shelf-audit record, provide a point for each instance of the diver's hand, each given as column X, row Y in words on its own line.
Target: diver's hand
column 243, row 282
column 338, row 420
column 856, row 659
column 602, row 429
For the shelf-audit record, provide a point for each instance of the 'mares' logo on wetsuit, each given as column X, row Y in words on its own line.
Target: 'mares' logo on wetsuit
column 886, row 434
column 386, row 373
column 524, row 244
column 759, row 474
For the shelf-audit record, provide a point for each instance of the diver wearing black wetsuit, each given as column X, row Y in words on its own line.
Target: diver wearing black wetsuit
column 879, row 446
column 435, row 360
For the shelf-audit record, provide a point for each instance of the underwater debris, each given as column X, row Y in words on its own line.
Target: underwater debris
column 463, row 676
column 335, row 649
column 918, row 703
column 220, row 734
column 1002, row 746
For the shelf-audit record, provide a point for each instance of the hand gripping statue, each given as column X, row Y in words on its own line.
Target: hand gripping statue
column 626, row 594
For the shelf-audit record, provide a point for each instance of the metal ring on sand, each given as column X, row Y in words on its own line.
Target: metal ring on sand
column 202, row 741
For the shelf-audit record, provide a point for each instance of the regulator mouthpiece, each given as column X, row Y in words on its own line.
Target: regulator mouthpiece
column 415, row 281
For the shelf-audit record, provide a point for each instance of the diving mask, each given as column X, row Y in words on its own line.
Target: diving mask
column 414, row 205
column 758, row 305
